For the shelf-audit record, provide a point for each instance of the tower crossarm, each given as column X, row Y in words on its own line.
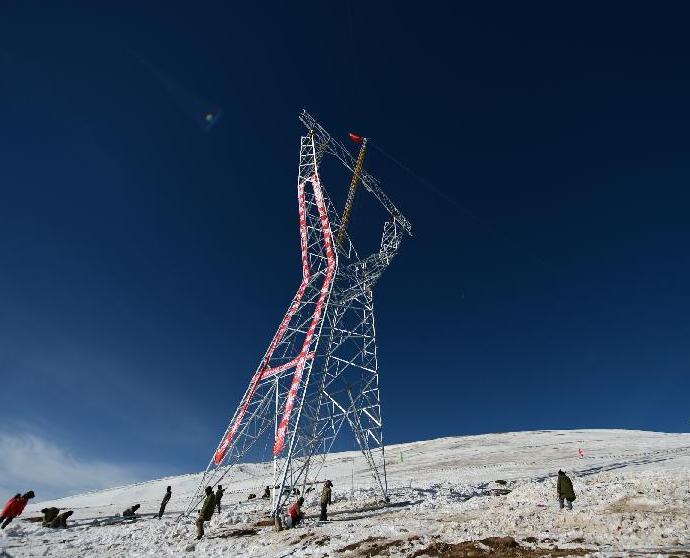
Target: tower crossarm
column 364, row 273
column 328, row 143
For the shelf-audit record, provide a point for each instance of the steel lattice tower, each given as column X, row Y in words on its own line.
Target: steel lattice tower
column 320, row 371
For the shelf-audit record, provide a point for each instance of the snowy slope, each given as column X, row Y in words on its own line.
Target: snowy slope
column 633, row 497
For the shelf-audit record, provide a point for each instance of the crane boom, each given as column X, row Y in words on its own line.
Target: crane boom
column 356, row 176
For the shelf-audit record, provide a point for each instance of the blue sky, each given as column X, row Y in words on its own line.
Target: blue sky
column 545, row 287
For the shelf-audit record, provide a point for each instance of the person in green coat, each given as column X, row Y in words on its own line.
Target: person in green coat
column 49, row 514
column 205, row 512
column 60, row 521
column 54, row 519
column 325, row 500
column 564, row 488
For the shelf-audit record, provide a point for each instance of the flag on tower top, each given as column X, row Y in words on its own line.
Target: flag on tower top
column 355, row 137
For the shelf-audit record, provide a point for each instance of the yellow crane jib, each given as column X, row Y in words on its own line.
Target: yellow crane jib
column 356, row 177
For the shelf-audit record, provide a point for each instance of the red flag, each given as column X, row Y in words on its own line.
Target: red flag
column 355, row 137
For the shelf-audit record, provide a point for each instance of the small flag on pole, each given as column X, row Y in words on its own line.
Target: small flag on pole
column 355, row 137
column 582, row 453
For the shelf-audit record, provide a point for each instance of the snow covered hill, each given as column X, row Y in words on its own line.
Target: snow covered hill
column 633, row 498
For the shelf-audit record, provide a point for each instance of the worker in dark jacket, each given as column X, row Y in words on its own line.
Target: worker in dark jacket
column 14, row 507
column 325, row 500
column 131, row 512
column 219, row 496
column 166, row 499
column 58, row 521
column 205, row 512
column 564, row 488
column 267, row 493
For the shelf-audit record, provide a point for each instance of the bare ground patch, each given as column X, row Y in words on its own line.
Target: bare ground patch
column 308, row 539
column 636, row 504
column 233, row 533
column 497, row 547
column 377, row 546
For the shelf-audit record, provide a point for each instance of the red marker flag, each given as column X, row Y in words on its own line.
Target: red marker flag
column 355, row 137
column 582, row 453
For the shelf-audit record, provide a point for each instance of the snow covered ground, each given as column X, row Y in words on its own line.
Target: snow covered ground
column 633, row 499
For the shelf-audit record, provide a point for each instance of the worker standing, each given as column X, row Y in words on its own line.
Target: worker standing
column 325, row 500
column 166, row 499
column 564, row 489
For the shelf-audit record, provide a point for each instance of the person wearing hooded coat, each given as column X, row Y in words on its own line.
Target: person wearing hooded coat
column 564, row 489
column 206, row 512
column 325, row 500
column 14, row 507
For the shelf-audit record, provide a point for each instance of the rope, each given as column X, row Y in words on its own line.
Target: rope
column 429, row 185
column 492, row 227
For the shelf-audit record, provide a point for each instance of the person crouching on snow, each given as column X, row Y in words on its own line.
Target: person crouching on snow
column 131, row 512
column 205, row 512
column 564, row 488
column 54, row 519
column 295, row 514
column 49, row 514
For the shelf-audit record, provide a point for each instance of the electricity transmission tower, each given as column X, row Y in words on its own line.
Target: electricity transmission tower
column 320, row 371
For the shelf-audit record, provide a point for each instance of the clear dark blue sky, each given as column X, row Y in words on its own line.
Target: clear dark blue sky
column 145, row 263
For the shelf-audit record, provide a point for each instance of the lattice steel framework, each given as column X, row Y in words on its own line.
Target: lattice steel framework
column 320, row 370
